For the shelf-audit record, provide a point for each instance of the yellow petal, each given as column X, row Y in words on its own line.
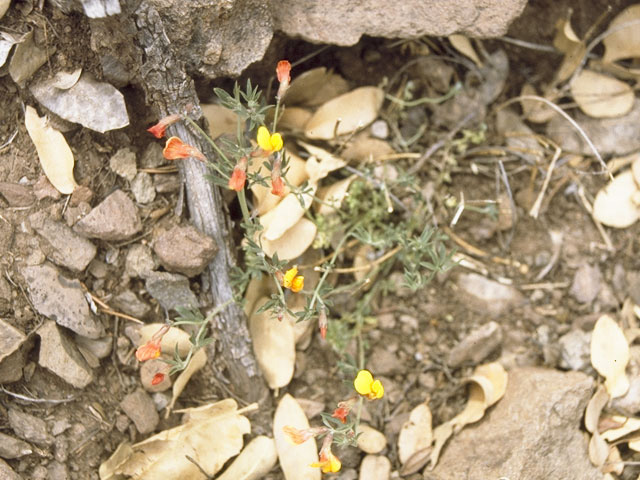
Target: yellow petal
column 289, row 277
column 297, row 284
column 377, row 389
column 276, row 142
column 264, row 138
column 363, row 382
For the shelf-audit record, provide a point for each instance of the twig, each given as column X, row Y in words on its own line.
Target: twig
column 108, row 310
column 544, row 286
column 361, row 268
column 556, row 242
column 589, row 208
column 535, row 209
column 530, row 45
column 37, row 400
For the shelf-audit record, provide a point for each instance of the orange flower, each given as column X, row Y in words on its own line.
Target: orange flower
column 159, row 128
column 343, row 410
column 292, row 280
column 149, row 350
column 328, row 461
column 239, row 175
column 322, row 322
column 176, row 148
column 277, row 183
column 283, row 71
column 157, row 378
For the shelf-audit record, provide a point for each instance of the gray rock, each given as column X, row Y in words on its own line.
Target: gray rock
column 488, row 296
column 62, row 245
column 17, row 195
column 43, row 189
column 611, row 136
column 139, row 261
column 142, row 188
column 629, row 403
column 100, row 347
column 57, row 471
column 385, row 362
column 140, row 408
column 11, row 353
column 477, row 346
column 114, row 219
column 5, row 295
column 123, row 164
column 587, row 282
column 152, row 156
column 129, row 303
column 29, row 428
column 11, row 447
column 528, row 434
column 171, row 290
column 6, row 237
column 61, row 299
column 184, row 249
column 7, row 473
column 575, row 351
column 93, row 104
column 59, row 355
column 114, row 71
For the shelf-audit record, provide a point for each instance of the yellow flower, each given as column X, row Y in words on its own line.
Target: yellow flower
column 292, row 280
column 329, row 463
column 366, row 386
column 268, row 142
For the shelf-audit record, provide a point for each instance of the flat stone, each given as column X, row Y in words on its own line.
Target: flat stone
column 123, row 164
column 149, row 369
column 43, row 189
column 61, row 244
column 17, row 195
column 139, row 261
column 140, row 408
column 130, row 304
column 29, row 428
column 11, row 354
column 575, row 351
column 488, row 296
column 11, row 447
column 61, row 299
column 152, row 156
column 477, row 346
column 115, row 218
column 142, row 188
column 7, row 473
column 100, row 347
column 184, row 249
column 587, row 283
column 385, row 362
column 171, row 290
column 529, row 434
column 6, row 237
column 57, row 471
column 59, row 355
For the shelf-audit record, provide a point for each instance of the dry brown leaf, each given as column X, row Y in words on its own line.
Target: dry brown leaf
column 4, row 6
column 296, row 174
column 635, row 169
column 315, row 87
column 210, row 435
column 629, row 425
column 624, row 42
column 286, row 214
column 370, row 440
column 573, row 48
column 274, row 346
column 27, row 58
column 598, row 450
column 221, row 120
column 345, row 114
column 601, row 96
column 254, row 462
column 534, row 110
column 565, row 39
column 416, row 433
column 333, row 195
column 293, row 242
column 365, row 148
column 375, row 467
column 295, row 460
column 198, row 361
column 614, row 462
column 634, row 444
column 294, row 118
column 416, row 461
column 614, row 205
column 594, row 408
column 257, row 288
column 54, row 153
column 321, row 163
column 441, row 434
column 610, row 355
column 463, row 45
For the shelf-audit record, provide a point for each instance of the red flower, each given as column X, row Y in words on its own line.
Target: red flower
column 149, row 350
column 283, row 71
column 239, row 175
column 343, row 410
column 157, row 378
column 159, row 128
column 277, row 183
column 322, row 322
column 176, row 148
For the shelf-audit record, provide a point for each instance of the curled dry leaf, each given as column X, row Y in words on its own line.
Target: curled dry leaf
column 598, row 450
column 294, row 118
column 221, row 120
column 573, row 48
column 274, row 345
column 594, row 408
column 615, row 204
column 365, row 148
column 295, row 460
column 463, row 45
column 375, row 467
column 315, row 87
column 296, row 174
column 601, row 96
column 333, row 195
column 198, row 360
column 416, row 433
column 624, row 41
column 635, row 169
column 210, row 435
column 27, row 58
column 321, row 163
column 286, row 214
column 345, row 114
column 66, row 80
column 610, row 355
column 536, row 111
column 293, row 242
column 629, row 425
column 370, row 440
column 441, row 434
column 254, row 462
column 54, row 153
column 614, row 462
column 257, row 288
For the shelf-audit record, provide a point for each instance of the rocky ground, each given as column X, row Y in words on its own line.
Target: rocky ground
column 80, row 273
